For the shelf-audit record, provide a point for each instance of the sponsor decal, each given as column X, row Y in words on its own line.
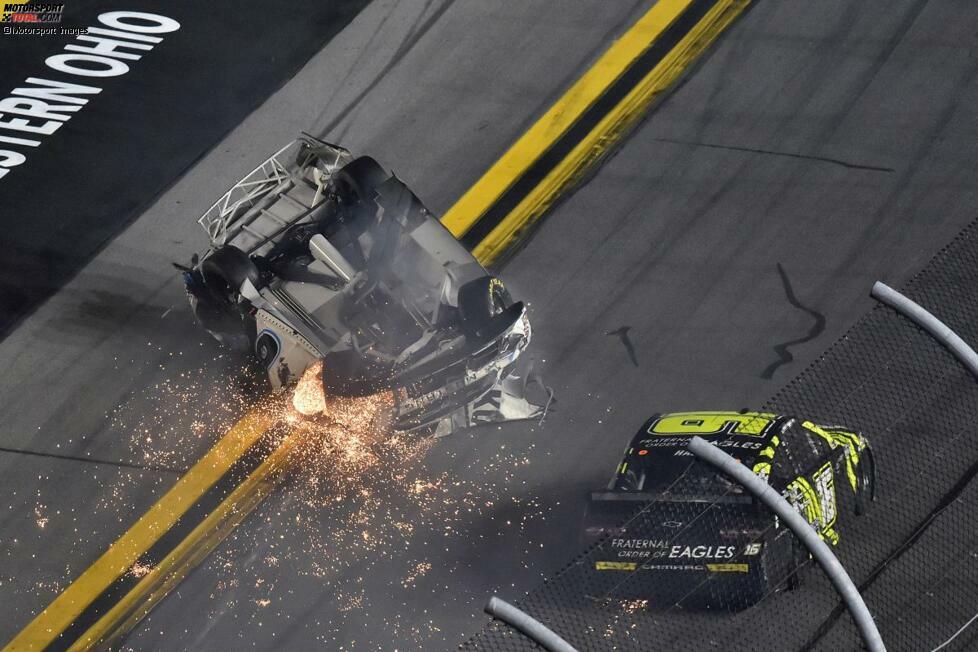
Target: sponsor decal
column 639, row 543
column 661, row 549
column 615, row 565
column 632, row 566
column 702, row 552
column 640, row 548
column 44, row 104
column 31, row 12
column 728, row 568
column 673, row 567
column 669, row 441
column 752, row 549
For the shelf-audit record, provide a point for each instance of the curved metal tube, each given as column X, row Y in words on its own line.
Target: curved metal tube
column 937, row 329
column 805, row 533
column 537, row 631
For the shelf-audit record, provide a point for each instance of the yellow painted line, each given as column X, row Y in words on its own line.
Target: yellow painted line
column 122, row 554
column 561, row 116
column 118, row 621
column 611, row 129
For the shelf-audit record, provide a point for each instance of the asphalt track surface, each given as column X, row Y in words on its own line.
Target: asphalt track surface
column 85, row 182
column 836, row 139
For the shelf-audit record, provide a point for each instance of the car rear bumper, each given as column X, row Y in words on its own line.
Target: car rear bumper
column 697, row 554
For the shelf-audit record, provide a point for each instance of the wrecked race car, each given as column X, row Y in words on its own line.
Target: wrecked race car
column 320, row 256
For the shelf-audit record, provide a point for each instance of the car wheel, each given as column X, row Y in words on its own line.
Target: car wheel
column 358, row 180
column 266, row 349
column 479, row 301
column 225, row 270
column 222, row 274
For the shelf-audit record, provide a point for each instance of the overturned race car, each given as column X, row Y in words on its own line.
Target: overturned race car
column 320, row 256
column 671, row 529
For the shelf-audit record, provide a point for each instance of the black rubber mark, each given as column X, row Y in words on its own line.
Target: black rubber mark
column 784, row 355
column 406, row 46
column 92, row 460
column 622, row 333
column 919, row 530
column 807, row 157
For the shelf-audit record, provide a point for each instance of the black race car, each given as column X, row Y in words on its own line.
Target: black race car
column 671, row 529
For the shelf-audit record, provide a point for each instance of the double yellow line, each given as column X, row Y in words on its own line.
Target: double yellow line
column 586, row 123
column 122, row 559
column 145, row 563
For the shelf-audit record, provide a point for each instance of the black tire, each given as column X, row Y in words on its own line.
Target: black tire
column 479, row 301
column 222, row 274
column 357, row 181
column 225, row 270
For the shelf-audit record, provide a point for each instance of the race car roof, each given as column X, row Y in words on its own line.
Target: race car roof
column 657, row 456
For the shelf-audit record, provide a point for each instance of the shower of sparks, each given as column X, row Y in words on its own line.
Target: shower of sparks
column 419, row 571
column 40, row 518
column 633, row 606
column 309, row 399
column 370, row 524
column 140, row 570
column 365, row 518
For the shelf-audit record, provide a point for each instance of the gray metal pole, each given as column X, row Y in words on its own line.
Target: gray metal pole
column 805, row 533
column 937, row 329
column 537, row 631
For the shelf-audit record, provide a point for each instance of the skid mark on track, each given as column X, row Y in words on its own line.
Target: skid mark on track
column 805, row 157
column 417, row 32
column 92, row 460
column 622, row 333
column 784, row 355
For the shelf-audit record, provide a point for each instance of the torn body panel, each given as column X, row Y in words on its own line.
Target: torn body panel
column 317, row 255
